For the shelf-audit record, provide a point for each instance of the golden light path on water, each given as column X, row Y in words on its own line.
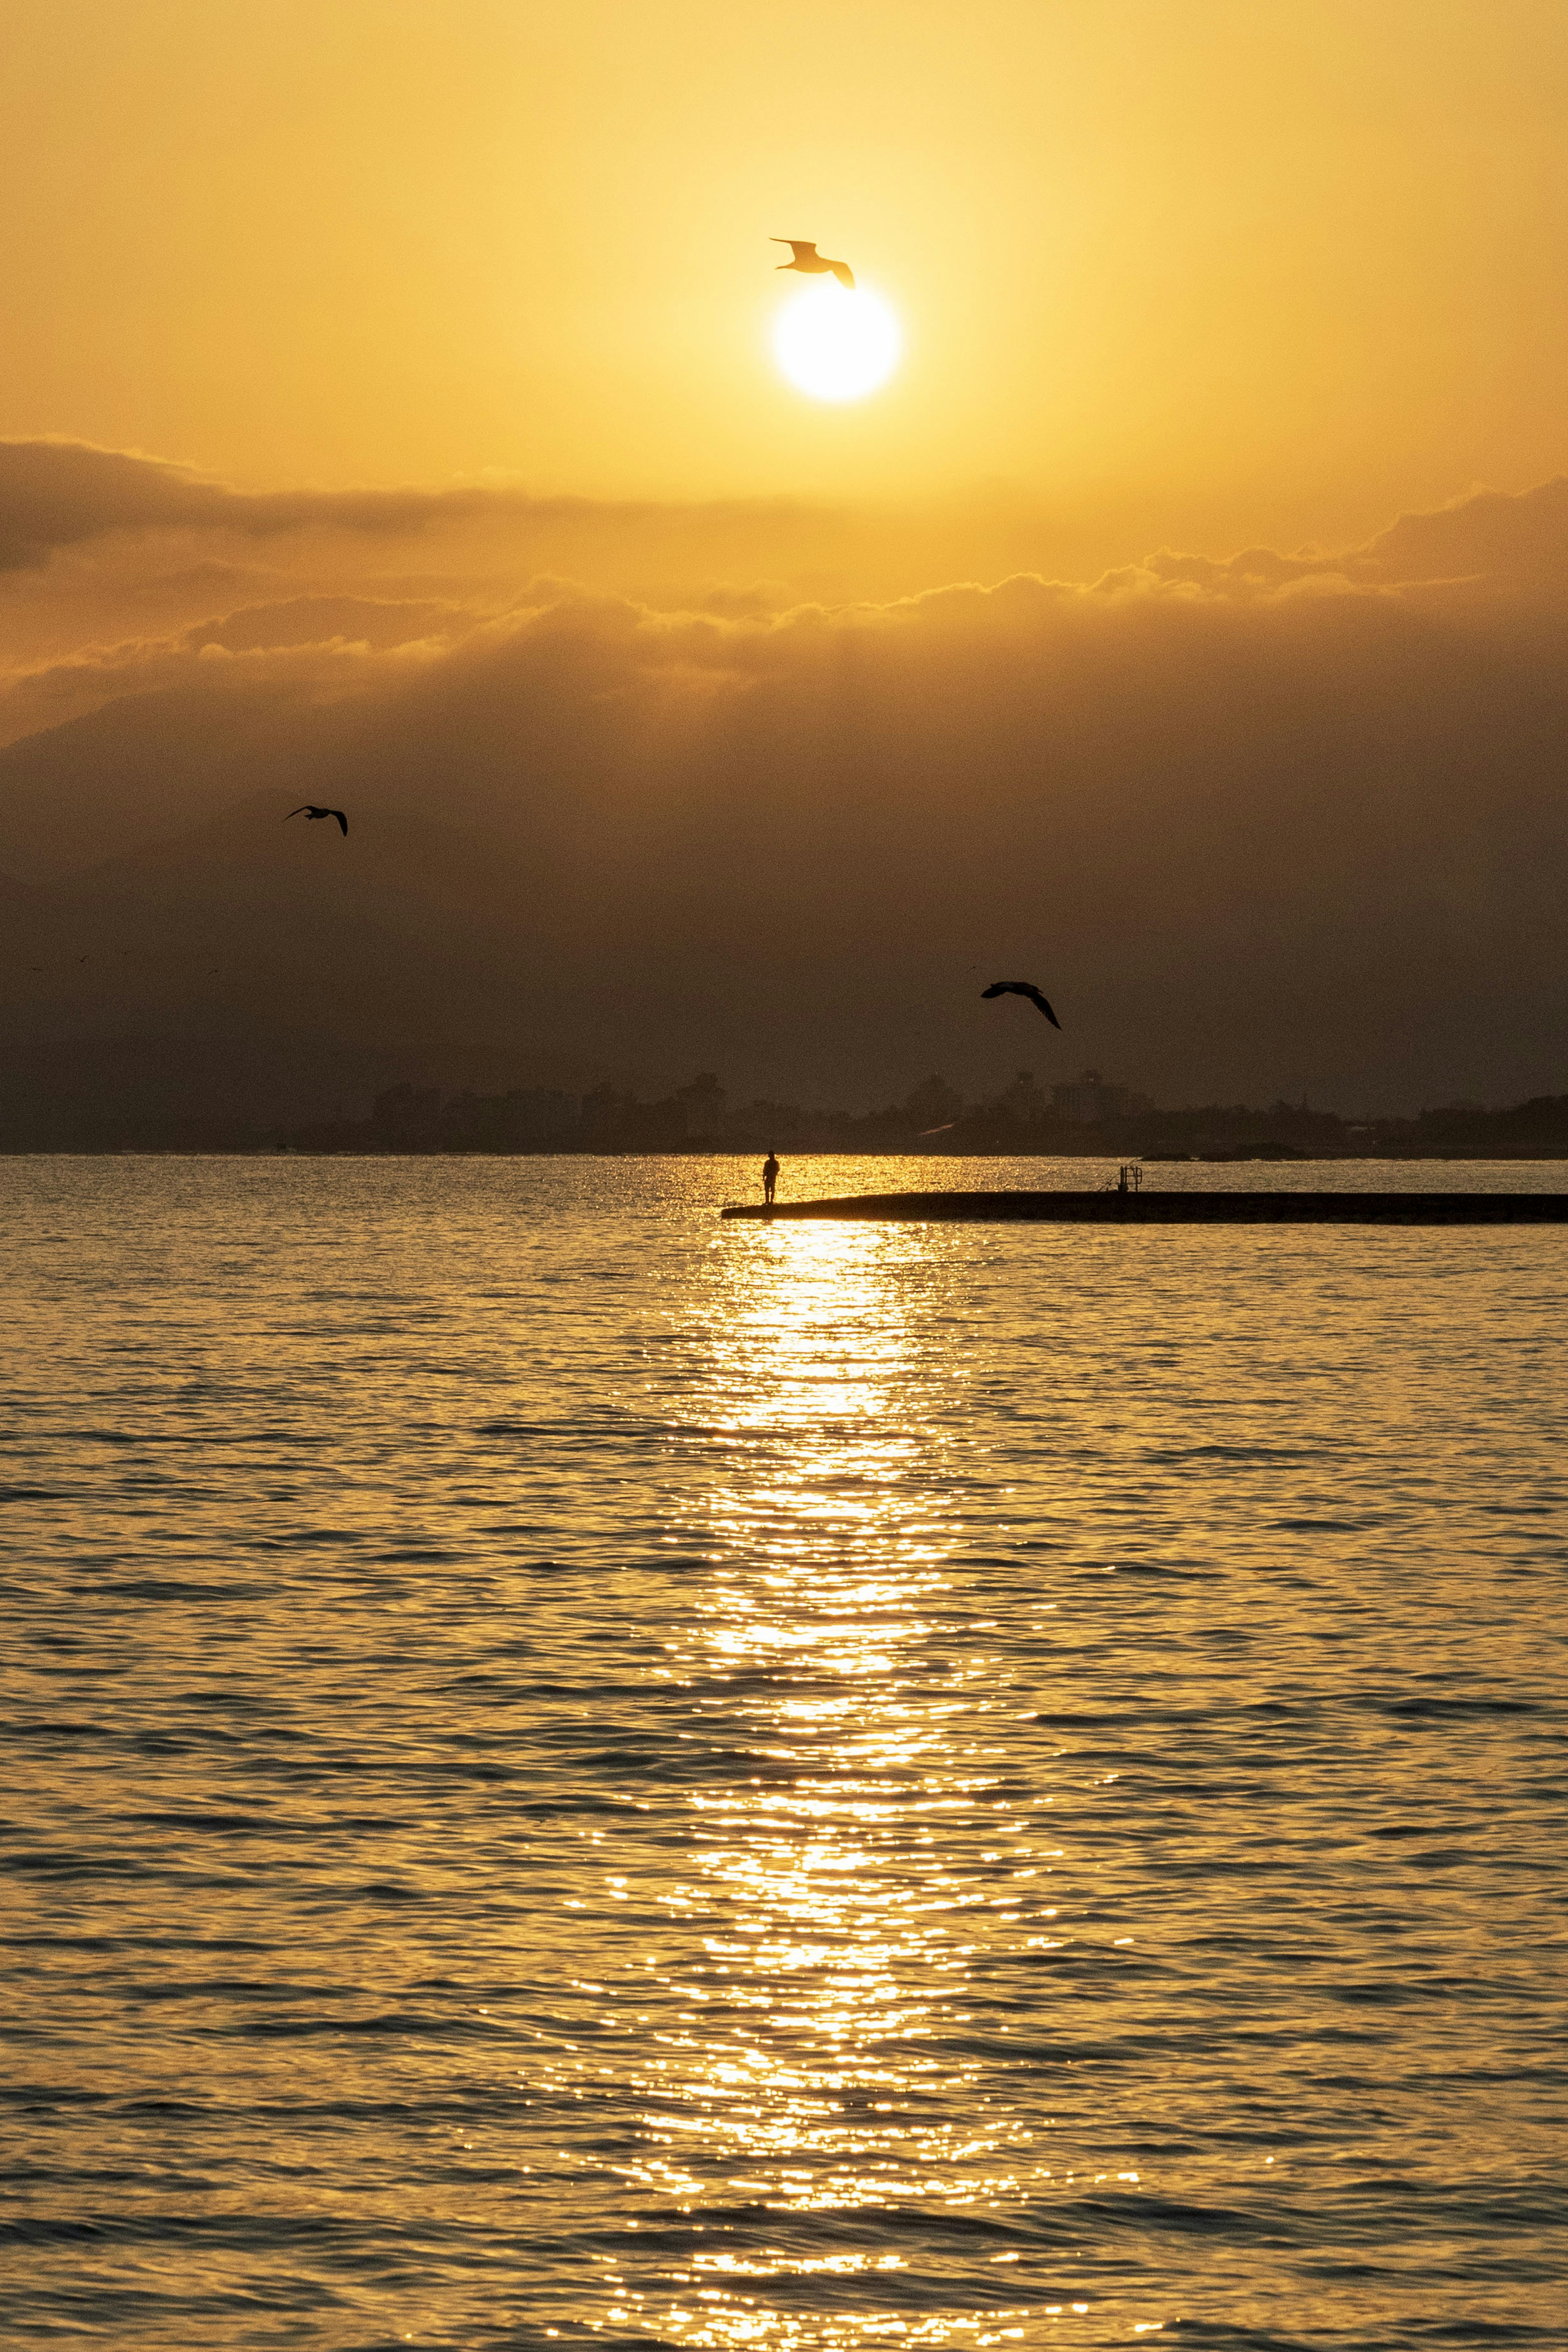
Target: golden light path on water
column 824, row 2060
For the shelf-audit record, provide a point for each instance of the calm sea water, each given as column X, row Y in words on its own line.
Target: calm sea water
column 582, row 1775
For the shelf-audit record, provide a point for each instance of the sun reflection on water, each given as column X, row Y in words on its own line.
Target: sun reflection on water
column 827, row 2083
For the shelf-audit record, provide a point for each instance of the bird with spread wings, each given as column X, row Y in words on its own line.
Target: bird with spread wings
column 812, row 264
column 1021, row 988
column 311, row 814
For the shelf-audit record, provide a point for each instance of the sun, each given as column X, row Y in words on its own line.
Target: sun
column 836, row 345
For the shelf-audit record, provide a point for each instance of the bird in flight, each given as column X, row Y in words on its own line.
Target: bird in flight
column 309, row 814
column 812, row 264
column 1021, row 988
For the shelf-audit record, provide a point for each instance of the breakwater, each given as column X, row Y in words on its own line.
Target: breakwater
column 1181, row 1208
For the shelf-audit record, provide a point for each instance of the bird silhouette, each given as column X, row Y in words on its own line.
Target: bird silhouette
column 309, row 814
column 1021, row 988
column 812, row 264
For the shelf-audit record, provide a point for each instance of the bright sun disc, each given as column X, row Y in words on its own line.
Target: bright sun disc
column 836, row 345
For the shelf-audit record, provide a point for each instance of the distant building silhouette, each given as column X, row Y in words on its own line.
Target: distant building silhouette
column 704, row 1104
column 421, row 1118
column 933, row 1103
column 1089, row 1100
column 178, row 1093
column 1023, row 1101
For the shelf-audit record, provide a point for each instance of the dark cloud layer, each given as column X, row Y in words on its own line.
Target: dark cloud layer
column 1266, row 823
column 57, row 494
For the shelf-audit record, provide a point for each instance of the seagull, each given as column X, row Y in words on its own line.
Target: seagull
column 811, row 264
column 1021, row 988
column 310, row 814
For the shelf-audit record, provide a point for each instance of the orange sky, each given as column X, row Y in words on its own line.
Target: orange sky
column 388, row 418
column 1207, row 270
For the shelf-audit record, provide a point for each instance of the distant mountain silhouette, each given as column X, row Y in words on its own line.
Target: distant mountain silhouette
column 148, row 765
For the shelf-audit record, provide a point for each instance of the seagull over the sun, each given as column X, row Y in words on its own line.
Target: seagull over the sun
column 812, row 264
column 311, row 814
column 1021, row 988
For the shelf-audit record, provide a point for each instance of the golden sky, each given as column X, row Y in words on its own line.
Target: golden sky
column 1200, row 269
column 388, row 418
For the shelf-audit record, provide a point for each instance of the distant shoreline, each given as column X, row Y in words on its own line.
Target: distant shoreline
column 1104, row 1153
column 161, row 1106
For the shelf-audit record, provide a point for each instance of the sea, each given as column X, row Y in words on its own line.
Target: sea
column 582, row 1775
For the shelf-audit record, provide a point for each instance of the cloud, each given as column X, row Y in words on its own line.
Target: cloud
column 330, row 621
column 57, row 494
column 1262, row 823
column 1488, row 535
column 1487, row 538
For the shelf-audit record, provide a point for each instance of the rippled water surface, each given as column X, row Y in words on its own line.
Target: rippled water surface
column 583, row 1774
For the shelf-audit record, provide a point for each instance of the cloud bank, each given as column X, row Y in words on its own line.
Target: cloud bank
column 57, row 493
column 1270, row 821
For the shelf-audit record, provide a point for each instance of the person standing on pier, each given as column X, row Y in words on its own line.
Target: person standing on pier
column 770, row 1177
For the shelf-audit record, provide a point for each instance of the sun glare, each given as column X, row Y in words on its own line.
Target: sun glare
column 836, row 345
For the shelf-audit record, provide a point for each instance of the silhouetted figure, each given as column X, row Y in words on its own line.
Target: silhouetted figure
column 311, row 814
column 1021, row 988
column 811, row 264
column 770, row 1177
